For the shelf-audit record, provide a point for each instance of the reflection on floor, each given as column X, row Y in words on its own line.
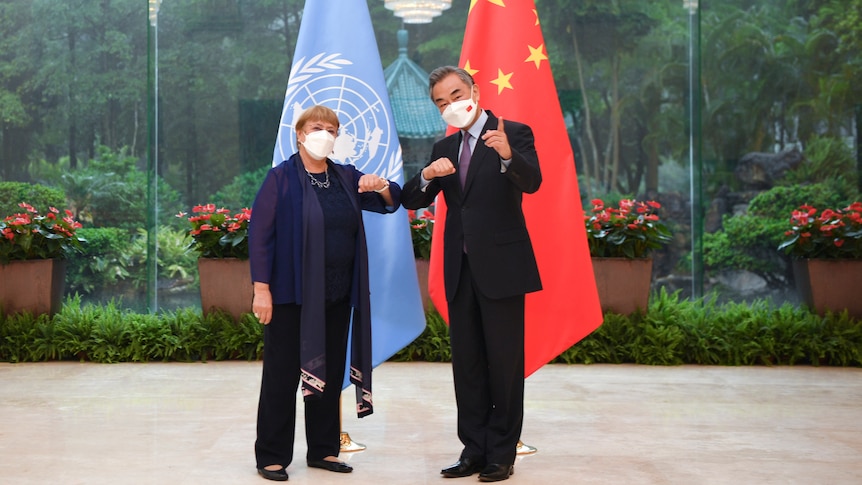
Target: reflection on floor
column 173, row 423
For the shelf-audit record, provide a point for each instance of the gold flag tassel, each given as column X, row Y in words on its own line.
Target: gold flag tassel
column 347, row 445
column 523, row 449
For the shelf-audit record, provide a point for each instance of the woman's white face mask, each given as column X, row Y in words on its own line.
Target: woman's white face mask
column 319, row 144
column 460, row 113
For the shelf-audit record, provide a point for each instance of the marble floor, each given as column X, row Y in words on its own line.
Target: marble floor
column 175, row 423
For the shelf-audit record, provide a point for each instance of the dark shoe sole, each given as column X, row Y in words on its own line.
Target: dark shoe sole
column 333, row 466
column 496, row 478
column 276, row 475
column 456, row 471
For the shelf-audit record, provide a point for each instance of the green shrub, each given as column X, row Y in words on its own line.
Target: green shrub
column 431, row 346
column 827, row 160
column 110, row 190
column 241, row 191
column 175, row 260
column 106, row 255
column 750, row 241
column 39, row 196
column 671, row 332
column 703, row 332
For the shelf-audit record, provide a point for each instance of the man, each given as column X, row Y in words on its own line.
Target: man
column 488, row 267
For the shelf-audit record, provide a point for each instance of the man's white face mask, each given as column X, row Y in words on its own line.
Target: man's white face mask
column 460, row 113
column 319, row 144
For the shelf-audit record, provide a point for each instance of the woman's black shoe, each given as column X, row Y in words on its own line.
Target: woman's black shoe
column 279, row 475
column 333, row 466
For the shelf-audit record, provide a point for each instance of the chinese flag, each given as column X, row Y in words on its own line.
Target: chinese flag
column 505, row 52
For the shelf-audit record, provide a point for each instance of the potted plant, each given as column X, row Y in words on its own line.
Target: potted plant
column 620, row 239
column 220, row 236
column 421, row 230
column 33, row 249
column 826, row 247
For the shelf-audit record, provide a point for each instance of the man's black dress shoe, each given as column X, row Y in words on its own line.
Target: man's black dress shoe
column 463, row 468
column 333, row 466
column 279, row 475
column 495, row 472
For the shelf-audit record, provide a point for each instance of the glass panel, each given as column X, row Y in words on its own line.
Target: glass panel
column 729, row 114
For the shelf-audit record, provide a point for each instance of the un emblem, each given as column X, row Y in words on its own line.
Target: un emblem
column 366, row 138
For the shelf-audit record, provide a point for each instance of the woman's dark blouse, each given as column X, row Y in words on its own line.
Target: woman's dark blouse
column 340, row 227
column 275, row 232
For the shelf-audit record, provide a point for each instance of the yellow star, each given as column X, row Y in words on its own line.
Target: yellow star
column 470, row 69
column 536, row 55
column 536, row 13
column 474, row 2
column 502, row 81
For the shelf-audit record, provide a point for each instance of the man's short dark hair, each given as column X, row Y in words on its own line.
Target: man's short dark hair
column 438, row 74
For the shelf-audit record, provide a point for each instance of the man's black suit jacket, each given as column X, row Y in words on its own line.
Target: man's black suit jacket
column 487, row 213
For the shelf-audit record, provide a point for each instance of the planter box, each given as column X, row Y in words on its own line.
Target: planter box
column 35, row 286
column 623, row 284
column 225, row 286
column 830, row 284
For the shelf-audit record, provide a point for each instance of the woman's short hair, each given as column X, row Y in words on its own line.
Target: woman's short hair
column 317, row 113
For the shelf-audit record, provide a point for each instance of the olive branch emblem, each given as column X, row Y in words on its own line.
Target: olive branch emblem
column 393, row 168
column 303, row 70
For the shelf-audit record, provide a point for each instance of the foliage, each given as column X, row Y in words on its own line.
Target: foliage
column 113, row 264
column 432, row 345
column 631, row 230
column 747, row 241
column 826, row 159
column 103, row 263
column 833, row 234
column 39, row 196
column 111, row 190
column 421, row 231
column 671, row 332
column 242, row 190
column 108, row 334
column 216, row 233
column 31, row 235
column 175, row 262
column 701, row 331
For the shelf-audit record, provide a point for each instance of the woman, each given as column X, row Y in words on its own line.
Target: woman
column 309, row 266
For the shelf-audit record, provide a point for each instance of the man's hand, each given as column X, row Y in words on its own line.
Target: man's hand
column 498, row 140
column 438, row 168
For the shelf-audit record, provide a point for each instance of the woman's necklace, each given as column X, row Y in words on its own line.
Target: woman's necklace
column 316, row 181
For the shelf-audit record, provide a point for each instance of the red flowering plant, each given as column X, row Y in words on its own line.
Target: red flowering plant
column 829, row 234
column 218, row 233
column 630, row 230
column 421, row 230
column 31, row 235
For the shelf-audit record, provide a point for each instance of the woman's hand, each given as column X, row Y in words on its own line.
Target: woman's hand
column 373, row 183
column 370, row 182
column 261, row 304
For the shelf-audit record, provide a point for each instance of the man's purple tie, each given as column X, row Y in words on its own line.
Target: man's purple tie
column 464, row 160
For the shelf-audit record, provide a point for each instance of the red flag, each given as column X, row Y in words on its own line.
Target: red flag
column 505, row 52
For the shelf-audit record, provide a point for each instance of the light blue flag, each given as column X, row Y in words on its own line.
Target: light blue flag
column 337, row 64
